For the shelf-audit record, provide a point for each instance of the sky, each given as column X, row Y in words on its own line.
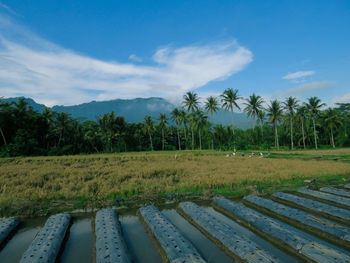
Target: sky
column 63, row 52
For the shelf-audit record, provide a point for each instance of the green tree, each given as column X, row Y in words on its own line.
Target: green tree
column 149, row 124
column 332, row 120
column 253, row 105
column 290, row 105
column 183, row 121
column 212, row 105
column 229, row 100
column 176, row 118
column 314, row 105
column 163, row 121
column 302, row 114
column 191, row 103
column 274, row 111
column 199, row 121
column 260, row 120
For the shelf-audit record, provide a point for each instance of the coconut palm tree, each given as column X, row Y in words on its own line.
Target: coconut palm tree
column 199, row 120
column 261, row 117
column 176, row 118
column 314, row 105
column 212, row 105
column 149, row 124
column 302, row 114
column 290, row 105
column 253, row 106
column 229, row 100
column 183, row 120
column 274, row 111
column 191, row 103
column 332, row 120
column 163, row 121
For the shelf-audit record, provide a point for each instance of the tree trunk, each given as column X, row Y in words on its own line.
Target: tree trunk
column 302, row 130
column 332, row 138
column 178, row 137
column 212, row 132
column 233, row 133
column 185, row 132
column 162, row 139
column 150, row 139
column 315, row 138
column 3, row 136
column 291, row 133
column 192, row 138
column 200, row 139
column 276, row 136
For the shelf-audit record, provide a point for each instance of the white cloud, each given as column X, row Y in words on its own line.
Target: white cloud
column 342, row 99
column 298, row 74
column 33, row 67
column 317, row 85
column 133, row 57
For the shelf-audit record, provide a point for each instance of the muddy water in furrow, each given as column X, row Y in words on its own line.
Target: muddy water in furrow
column 80, row 242
column 139, row 243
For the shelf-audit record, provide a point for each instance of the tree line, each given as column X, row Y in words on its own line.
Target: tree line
column 288, row 124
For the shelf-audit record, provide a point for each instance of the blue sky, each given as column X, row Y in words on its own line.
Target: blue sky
column 69, row 52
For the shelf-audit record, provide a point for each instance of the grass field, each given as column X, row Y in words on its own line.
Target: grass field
column 39, row 185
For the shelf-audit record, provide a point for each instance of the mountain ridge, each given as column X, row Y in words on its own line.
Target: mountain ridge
column 133, row 110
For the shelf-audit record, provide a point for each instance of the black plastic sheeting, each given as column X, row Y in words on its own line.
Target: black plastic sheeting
column 176, row 247
column 326, row 196
column 319, row 223
column 300, row 241
column 314, row 205
column 335, row 191
column 48, row 241
column 110, row 244
column 241, row 246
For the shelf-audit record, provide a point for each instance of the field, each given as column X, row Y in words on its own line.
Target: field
column 40, row 185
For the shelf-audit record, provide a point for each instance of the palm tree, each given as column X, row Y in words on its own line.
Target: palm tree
column 253, row 106
column 149, row 124
column 176, row 117
column 229, row 100
column 191, row 103
column 212, row 105
column 261, row 117
column 199, row 120
column 274, row 111
column 314, row 105
column 163, row 121
column 302, row 113
column 290, row 105
column 332, row 121
column 183, row 120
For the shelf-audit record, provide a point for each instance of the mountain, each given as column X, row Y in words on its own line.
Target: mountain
column 134, row 110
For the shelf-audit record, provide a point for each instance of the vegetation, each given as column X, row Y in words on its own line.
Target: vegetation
column 29, row 183
column 288, row 124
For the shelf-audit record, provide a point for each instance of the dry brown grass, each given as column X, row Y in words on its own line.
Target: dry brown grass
column 341, row 151
column 109, row 176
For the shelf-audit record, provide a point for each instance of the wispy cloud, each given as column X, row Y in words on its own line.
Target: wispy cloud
column 31, row 66
column 133, row 57
column 298, row 74
column 342, row 99
column 317, row 85
column 8, row 9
